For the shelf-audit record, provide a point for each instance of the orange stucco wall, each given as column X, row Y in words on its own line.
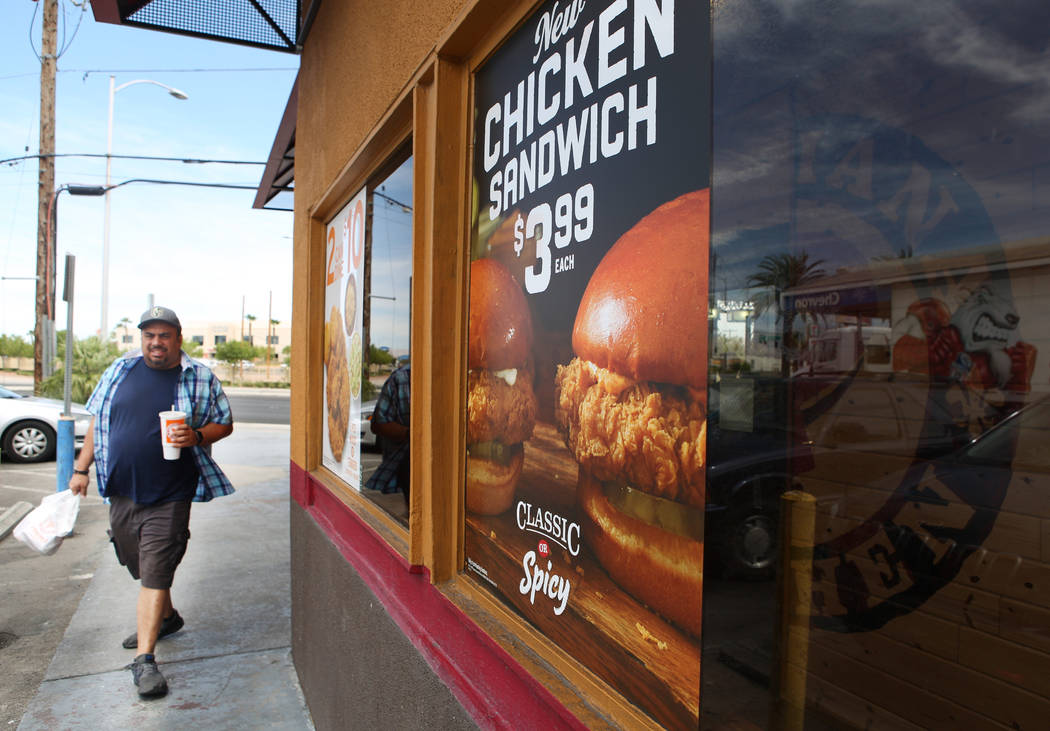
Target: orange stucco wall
column 358, row 59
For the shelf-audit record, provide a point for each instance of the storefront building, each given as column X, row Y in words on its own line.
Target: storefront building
column 729, row 358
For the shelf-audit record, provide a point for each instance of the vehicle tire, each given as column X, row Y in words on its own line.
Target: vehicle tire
column 29, row 441
column 746, row 542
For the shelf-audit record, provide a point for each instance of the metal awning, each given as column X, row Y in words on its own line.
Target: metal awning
column 278, row 25
column 277, row 187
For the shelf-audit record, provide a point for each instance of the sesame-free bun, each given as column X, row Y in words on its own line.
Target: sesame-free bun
column 491, row 484
column 644, row 312
column 500, row 329
column 663, row 570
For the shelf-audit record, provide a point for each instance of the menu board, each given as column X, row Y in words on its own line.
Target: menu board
column 343, row 349
column 587, row 340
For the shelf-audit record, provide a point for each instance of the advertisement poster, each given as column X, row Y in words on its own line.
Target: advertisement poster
column 343, row 350
column 587, row 340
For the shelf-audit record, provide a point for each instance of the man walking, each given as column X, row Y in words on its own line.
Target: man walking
column 150, row 496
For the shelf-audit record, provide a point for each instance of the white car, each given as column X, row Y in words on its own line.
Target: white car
column 28, row 426
column 368, row 437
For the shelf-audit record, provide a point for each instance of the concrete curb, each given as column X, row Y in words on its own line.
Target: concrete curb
column 12, row 516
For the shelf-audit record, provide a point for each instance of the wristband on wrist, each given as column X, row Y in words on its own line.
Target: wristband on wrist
column 86, row 473
column 200, row 436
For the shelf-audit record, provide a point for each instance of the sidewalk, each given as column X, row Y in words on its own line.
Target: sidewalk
column 231, row 666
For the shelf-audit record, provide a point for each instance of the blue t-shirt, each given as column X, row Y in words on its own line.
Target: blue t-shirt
column 137, row 468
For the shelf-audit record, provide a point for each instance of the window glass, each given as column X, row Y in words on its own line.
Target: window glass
column 879, row 209
column 367, row 336
column 389, row 337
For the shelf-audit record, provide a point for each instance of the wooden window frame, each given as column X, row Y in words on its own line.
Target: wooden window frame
column 372, row 159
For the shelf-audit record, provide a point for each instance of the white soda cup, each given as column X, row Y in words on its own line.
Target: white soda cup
column 167, row 420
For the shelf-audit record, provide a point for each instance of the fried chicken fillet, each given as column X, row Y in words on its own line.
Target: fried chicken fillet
column 498, row 411
column 649, row 436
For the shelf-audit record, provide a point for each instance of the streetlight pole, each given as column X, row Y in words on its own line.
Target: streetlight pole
column 103, row 327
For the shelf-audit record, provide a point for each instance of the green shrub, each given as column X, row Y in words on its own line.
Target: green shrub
column 91, row 357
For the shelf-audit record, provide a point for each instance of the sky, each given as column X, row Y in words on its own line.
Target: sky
column 200, row 251
column 392, row 261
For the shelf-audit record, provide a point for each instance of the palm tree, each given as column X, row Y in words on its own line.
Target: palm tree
column 124, row 322
column 776, row 274
column 269, row 336
column 780, row 272
column 250, row 319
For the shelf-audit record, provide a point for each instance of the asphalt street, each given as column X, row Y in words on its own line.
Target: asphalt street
column 38, row 594
column 250, row 405
column 259, row 405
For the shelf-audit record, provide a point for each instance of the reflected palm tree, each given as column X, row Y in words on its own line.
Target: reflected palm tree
column 779, row 272
column 124, row 323
column 776, row 274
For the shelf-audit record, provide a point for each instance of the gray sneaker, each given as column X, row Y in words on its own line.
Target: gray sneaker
column 147, row 677
column 169, row 626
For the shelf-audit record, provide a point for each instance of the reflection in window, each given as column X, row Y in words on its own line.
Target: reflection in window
column 1020, row 442
column 387, row 305
column 880, row 205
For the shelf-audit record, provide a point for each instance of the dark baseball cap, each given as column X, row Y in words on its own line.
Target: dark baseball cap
column 160, row 314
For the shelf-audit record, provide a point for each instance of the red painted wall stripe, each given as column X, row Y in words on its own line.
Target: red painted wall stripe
column 484, row 678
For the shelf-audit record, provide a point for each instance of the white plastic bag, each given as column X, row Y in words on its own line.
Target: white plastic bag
column 48, row 523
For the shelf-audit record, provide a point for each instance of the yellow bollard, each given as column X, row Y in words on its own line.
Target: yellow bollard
column 794, row 605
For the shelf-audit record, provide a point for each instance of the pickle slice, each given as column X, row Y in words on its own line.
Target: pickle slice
column 494, row 450
column 683, row 520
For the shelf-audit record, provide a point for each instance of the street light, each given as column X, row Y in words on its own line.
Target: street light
column 103, row 328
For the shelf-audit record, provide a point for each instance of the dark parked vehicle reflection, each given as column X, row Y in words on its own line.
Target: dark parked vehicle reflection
column 764, row 434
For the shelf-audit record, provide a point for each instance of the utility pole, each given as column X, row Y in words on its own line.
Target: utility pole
column 45, row 269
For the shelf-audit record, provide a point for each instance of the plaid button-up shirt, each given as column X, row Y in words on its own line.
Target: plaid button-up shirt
column 394, row 404
column 198, row 393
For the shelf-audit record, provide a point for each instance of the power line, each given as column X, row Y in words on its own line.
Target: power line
column 177, row 71
column 64, row 46
column 181, row 182
column 188, row 160
column 407, row 208
column 88, row 72
column 83, row 10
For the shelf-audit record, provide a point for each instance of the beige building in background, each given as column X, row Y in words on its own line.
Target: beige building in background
column 210, row 334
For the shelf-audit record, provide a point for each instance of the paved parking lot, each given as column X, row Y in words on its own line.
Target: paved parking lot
column 39, row 594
